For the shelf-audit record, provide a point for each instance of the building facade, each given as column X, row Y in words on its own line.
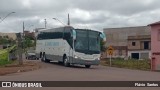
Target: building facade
column 10, row 35
column 29, row 34
column 155, row 45
column 121, row 39
column 139, row 47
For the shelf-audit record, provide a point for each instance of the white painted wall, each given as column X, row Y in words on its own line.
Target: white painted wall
column 144, row 51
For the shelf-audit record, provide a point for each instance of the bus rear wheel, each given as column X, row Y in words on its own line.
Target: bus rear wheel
column 44, row 59
column 87, row 66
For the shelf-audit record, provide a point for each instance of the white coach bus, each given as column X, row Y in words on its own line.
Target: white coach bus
column 69, row 46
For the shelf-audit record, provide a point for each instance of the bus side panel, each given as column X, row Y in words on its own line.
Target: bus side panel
column 39, row 48
column 68, row 51
column 53, row 49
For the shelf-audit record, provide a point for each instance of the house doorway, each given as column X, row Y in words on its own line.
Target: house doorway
column 135, row 55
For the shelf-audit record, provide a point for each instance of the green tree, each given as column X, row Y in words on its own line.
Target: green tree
column 29, row 42
column 4, row 41
column 30, row 37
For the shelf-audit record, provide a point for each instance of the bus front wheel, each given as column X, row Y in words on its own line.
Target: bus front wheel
column 65, row 62
column 87, row 66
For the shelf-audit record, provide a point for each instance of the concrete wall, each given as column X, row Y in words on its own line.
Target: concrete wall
column 139, row 42
column 155, row 45
column 136, row 47
column 120, row 54
column 143, row 54
column 10, row 35
column 119, row 36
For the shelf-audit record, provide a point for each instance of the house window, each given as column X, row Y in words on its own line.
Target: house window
column 133, row 43
column 146, row 45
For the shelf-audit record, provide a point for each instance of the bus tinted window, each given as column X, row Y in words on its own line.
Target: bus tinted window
column 50, row 35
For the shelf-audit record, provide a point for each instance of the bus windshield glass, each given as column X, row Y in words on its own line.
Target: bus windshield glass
column 94, row 41
column 81, row 42
column 87, row 41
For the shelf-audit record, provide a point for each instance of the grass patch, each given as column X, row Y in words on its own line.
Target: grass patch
column 130, row 64
column 5, row 62
column 4, row 59
column 4, row 56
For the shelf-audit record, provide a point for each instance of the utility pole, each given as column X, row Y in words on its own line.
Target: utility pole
column 45, row 22
column 19, row 38
column 68, row 20
column 23, row 38
column 23, row 30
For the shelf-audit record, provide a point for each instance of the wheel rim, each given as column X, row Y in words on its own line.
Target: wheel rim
column 65, row 62
column 44, row 58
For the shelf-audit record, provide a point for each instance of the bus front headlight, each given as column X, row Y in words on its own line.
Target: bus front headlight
column 75, row 57
column 98, row 59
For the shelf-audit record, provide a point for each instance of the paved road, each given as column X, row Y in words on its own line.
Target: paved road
column 56, row 72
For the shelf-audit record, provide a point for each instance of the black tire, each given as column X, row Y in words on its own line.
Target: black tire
column 40, row 55
column 87, row 66
column 65, row 62
column 44, row 59
column 60, row 62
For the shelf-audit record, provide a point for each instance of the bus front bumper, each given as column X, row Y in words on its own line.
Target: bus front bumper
column 85, row 62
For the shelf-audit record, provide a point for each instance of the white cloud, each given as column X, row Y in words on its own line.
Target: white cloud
column 81, row 14
column 26, row 3
column 93, row 14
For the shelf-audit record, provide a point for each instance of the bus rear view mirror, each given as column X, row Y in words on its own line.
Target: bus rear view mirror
column 74, row 34
column 103, row 36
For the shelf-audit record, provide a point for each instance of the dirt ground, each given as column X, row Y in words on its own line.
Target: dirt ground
column 15, row 68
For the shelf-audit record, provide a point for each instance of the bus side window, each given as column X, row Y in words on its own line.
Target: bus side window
column 67, row 34
column 39, row 37
column 68, row 37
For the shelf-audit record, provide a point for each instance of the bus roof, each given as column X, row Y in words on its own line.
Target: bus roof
column 43, row 30
column 49, row 30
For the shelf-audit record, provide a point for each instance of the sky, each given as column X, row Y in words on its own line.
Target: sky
column 85, row 14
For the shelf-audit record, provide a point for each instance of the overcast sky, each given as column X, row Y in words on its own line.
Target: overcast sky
column 90, row 14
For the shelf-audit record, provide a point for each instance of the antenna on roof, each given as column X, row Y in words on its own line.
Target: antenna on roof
column 68, row 20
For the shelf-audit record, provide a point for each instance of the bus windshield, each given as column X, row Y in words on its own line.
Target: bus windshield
column 87, row 41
